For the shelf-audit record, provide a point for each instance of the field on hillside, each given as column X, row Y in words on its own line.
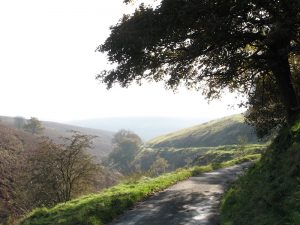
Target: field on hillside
column 225, row 131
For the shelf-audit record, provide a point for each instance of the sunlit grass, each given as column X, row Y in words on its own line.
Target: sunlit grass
column 101, row 208
column 269, row 193
column 224, row 131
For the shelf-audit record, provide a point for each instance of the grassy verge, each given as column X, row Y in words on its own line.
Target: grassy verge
column 101, row 208
column 269, row 193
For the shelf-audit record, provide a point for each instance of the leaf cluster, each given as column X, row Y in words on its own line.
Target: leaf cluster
column 126, row 146
column 267, row 112
column 207, row 44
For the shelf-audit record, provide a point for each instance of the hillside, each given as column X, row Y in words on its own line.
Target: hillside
column 185, row 157
column 102, row 142
column 13, row 144
column 16, row 147
column 225, row 131
column 146, row 127
column 270, row 192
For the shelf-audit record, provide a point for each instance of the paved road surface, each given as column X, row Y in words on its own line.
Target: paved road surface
column 191, row 202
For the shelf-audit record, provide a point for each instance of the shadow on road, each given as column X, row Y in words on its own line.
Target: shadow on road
column 191, row 202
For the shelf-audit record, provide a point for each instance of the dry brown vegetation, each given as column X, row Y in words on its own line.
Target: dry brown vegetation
column 16, row 148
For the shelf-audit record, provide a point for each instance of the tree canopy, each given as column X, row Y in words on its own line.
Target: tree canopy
column 126, row 146
column 34, row 126
column 209, row 45
column 266, row 110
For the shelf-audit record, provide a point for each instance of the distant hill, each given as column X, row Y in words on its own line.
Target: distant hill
column 225, row 131
column 102, row 143
column 146, row 127
column 15, row 140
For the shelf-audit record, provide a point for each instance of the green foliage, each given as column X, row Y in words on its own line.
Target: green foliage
column 103, row 207
column 126, row 146
column 159, row 166
column 34, row 126
column 209, row 45
column 175, row 157
column 224, row 131
column 182, row 157
column 267, row 112
column 226, row 153
column 269, row 192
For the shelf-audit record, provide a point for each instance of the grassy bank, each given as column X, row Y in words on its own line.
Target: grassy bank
column 101, row 208
column 224, row 131
column 182, row 157
column 269, row 194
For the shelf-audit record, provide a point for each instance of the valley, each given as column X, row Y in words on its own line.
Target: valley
column 119, row 165
column 151, row 167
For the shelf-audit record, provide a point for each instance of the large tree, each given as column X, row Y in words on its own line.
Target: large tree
column 126, row 146
column 209, row 45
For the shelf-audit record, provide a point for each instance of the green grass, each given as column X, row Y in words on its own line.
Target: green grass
column 181, row 157
column 269, row 193
column 176, row 157
column 226, row 153
column 224, row 131
column 101, row 208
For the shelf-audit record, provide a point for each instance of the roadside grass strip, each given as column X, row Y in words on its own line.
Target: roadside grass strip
column 103, row 207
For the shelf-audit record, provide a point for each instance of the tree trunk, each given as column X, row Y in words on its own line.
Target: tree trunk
column 280, row 67
column 281, row 70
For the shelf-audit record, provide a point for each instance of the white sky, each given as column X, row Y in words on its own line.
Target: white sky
column 48, row 66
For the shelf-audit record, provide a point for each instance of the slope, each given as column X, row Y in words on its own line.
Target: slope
column 225, row 131
column 269, row 193
column 102, row 142
column 13, row 144
column 146, row 127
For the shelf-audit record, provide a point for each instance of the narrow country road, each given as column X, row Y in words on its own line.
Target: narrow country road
column 191, row 202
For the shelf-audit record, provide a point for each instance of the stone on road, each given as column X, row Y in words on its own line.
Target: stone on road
column 191, row 202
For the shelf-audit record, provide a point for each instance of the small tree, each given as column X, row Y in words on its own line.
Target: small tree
column 61, row 172
column 159, row 166
column 34, row 126
column 242, row 142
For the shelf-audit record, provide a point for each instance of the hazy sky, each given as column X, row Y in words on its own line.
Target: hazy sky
column 48, row 66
